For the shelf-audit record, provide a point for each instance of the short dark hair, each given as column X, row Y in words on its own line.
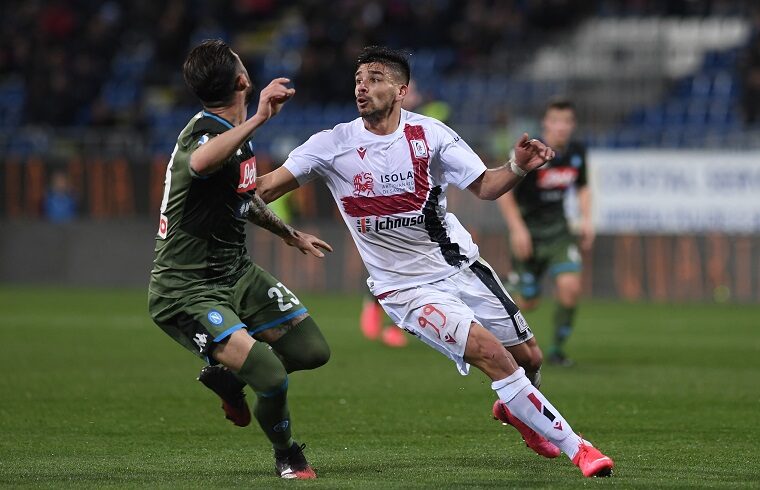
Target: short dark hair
column 560, row 104
column 394, row 59
column 210, row 71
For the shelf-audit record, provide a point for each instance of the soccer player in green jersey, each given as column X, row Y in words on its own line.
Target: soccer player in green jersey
column 540, row 238
column 205, row 292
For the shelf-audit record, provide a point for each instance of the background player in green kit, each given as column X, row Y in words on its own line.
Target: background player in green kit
column 205, row 292
column 540, row 238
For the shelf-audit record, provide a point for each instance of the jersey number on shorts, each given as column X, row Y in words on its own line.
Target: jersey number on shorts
column 276, row 292
column 432, row 317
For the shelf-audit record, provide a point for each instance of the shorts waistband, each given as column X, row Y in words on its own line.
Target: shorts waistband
column 385, row 294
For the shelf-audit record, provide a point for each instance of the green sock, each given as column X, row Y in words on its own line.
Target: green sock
column 264, row 372
column 274, row 418
column 303, row 347
column 563, row 327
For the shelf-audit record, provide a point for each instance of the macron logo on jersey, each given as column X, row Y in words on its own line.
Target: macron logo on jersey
column 247, row 176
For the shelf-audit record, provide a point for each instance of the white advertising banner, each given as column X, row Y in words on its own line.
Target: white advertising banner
column 673, row 191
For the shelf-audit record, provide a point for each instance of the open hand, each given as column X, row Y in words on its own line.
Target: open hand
column 308, row 243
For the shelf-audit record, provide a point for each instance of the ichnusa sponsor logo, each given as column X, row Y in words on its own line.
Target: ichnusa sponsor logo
column 389, row 223
column 368, row 224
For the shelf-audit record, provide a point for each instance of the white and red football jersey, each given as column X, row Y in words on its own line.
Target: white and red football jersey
column 391, row 191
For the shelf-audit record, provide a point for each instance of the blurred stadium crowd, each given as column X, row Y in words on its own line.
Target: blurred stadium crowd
column 671, row 73
column 92, row 100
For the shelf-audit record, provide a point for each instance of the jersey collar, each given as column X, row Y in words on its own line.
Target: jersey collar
column 219, row 119
column 386, row 137
column 226, row 123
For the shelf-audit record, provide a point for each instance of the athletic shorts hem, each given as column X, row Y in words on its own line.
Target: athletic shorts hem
column 229, row 332
column 277, row 321
column 441, row 314
column 564, row 267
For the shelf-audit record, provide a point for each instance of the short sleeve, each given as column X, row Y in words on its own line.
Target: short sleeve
column 309, row 161
column 197, row 141
column 461, row 166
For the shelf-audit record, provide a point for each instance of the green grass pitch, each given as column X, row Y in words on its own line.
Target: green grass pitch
column 92, row 394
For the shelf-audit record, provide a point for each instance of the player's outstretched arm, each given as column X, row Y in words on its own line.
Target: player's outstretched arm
column 264, row 217
column 275, row 184
column 211, row 156
column 529, row 155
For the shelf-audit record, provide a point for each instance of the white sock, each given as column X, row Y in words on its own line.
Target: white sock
column 530, row 406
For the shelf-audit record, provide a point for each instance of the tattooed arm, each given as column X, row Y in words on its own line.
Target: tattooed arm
column 262, row 216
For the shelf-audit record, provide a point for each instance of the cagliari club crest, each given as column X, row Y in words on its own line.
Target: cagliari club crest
column 419, row 148
column 364, row 184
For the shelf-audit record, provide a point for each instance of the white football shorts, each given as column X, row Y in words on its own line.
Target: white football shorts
column 440, row 313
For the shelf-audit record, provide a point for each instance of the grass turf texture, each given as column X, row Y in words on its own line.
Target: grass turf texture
column 94, row 395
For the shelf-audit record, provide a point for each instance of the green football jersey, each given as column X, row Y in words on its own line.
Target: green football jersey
column 201, row 235
column 541, row 194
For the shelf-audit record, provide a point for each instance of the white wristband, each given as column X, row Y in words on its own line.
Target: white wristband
column 515, row 169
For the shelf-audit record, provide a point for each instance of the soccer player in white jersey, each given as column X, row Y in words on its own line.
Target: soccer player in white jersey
column 388, row 171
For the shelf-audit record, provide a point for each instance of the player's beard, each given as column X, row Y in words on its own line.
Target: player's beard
column 374, row 112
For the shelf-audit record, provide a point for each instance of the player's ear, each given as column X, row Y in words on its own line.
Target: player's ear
column 402, row 91
column 242, row 82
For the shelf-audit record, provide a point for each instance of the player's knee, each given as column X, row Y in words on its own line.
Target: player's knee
column 485, row 352
column 533, row 363
column 568, row 299
column 271, row 384
column 528, row 355
column 488, row 351
column 263, row 371
column 318, row 352
column 531, row 360
column 317, row 355
column 303, row 347
column 568, row 290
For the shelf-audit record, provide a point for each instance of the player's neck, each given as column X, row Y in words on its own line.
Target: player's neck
column 384, row 124
column 234, row 113
column 554, row 144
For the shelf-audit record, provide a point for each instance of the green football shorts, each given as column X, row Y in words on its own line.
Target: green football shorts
column 555, row 256
column 202, row 318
